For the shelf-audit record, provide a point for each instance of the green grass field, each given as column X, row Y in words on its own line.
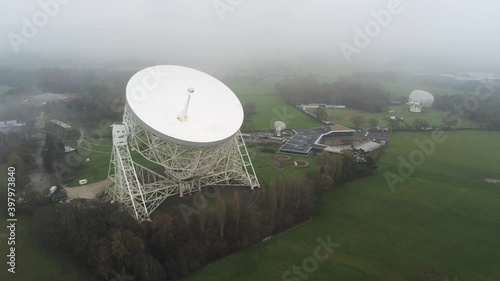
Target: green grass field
column 444, row 215
column 99, row 153
column 404, row 88
column 433, row 116
column 270, row 107
column 267, row 167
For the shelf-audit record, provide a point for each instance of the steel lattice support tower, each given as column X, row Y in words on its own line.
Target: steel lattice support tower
column 185, row 123
column 141, row 190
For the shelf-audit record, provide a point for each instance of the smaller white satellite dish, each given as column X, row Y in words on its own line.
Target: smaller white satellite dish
column 279, row 126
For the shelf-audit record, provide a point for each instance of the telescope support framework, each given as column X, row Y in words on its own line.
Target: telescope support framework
column 141, row 190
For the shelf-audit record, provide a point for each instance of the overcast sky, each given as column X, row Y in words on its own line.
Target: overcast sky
column 450, row 30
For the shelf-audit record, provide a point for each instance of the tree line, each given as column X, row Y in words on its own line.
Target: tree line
column 480, row 107
column 105, row 238
column 356, row 93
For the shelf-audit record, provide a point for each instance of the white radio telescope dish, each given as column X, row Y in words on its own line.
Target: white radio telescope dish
column 419, row 99
column 186, row 124
column 184, row 105
column 279, row 126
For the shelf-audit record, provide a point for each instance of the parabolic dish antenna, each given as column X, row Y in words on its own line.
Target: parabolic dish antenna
column 184, row 105
column 424, row 98
column 279, row 126
column 185, row 123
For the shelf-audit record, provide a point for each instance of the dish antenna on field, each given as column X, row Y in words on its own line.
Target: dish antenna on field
column 194, row 140
column 279, row 126
column 419, row 99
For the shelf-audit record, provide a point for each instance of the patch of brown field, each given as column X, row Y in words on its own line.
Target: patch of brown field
column 282, row 157
column 88, row 191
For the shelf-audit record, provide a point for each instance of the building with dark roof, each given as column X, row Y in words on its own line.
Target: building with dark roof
column 306, row 140
column 334, row 139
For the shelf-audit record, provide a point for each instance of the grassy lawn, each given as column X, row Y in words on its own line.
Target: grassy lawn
column 273, row 108
column 267, row 167
column 433, row 116
column 270, row 106
column 99, row 153
column 404, row 88
column 442, row 215
column 34, row 260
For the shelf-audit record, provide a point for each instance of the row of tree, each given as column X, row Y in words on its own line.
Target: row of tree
column 355, row 93
column 351, row 164
column 479, row 107
column 61, row 80
column 203, row 228
column 106, row 239
column 16, row 150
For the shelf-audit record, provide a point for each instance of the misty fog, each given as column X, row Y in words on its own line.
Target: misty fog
column 442, row 35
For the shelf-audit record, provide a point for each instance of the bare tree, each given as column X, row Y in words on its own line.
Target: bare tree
column 357, row 120
column 220, row 211
column 236, row 209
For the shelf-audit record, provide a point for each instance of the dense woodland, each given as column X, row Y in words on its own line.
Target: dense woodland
column 482, row 108
column 19, row 151
column 97, row 94
column 198, row 231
